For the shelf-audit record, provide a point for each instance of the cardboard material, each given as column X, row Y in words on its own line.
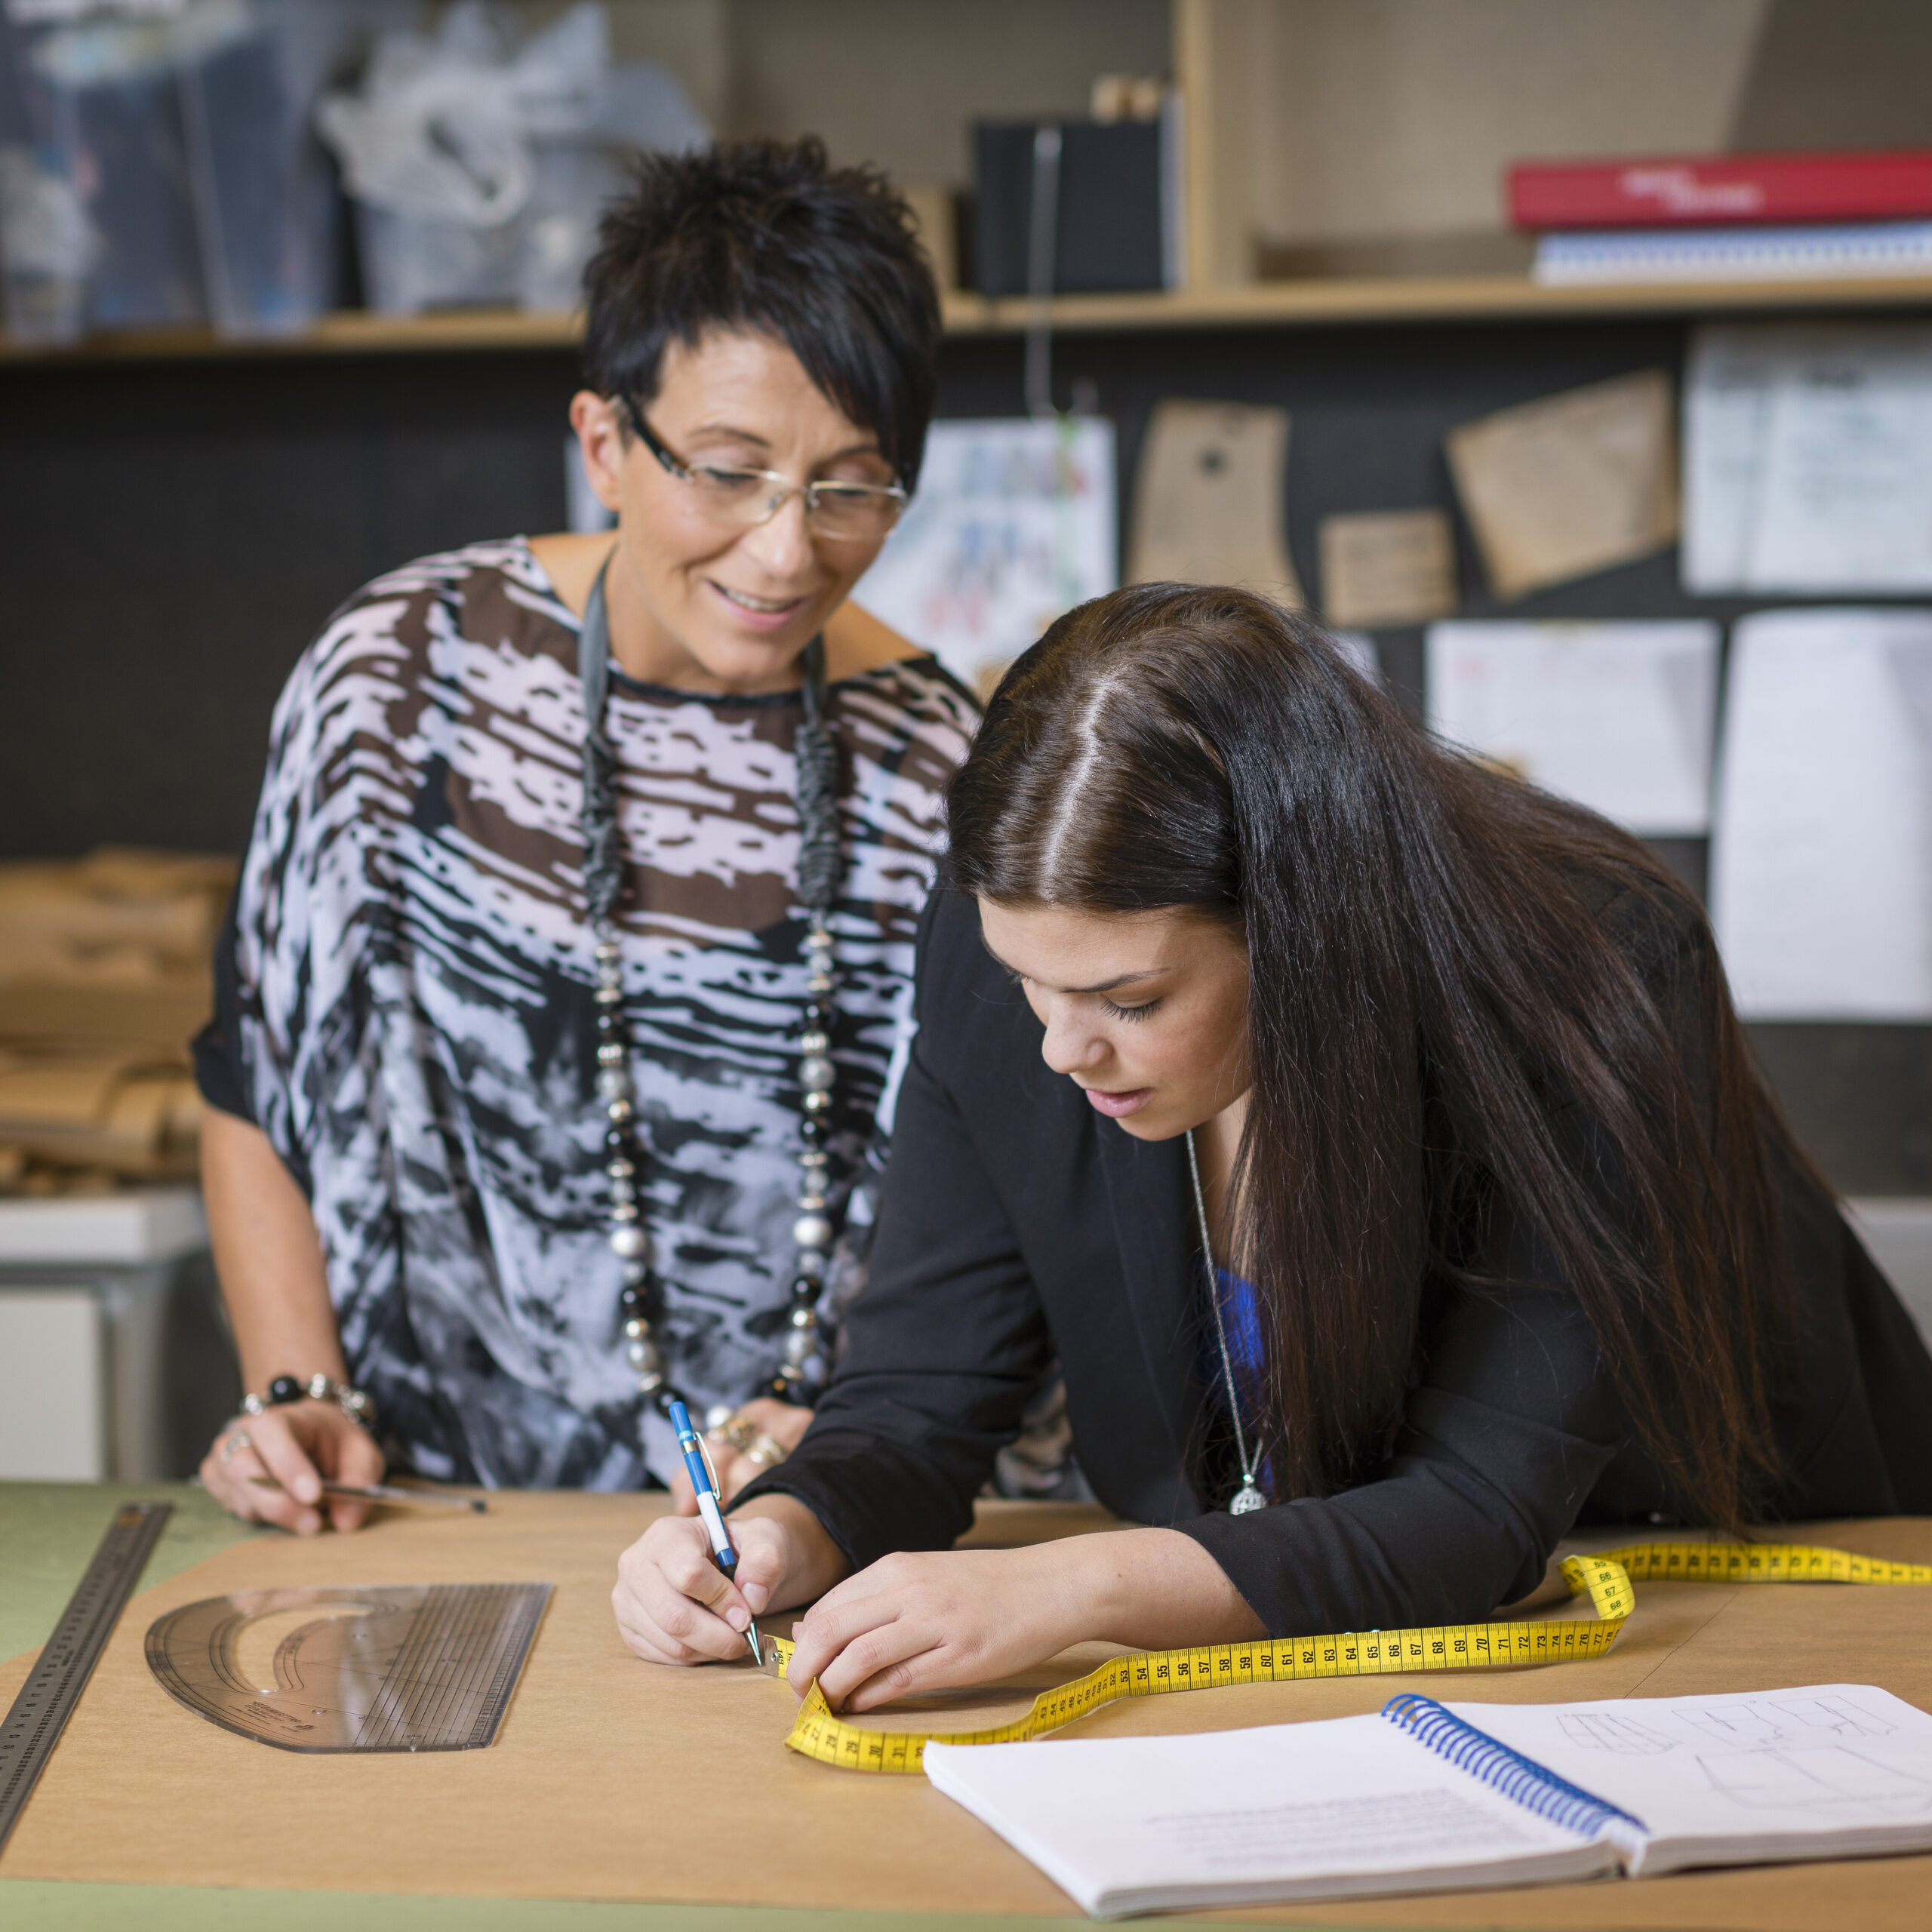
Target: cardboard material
column 1388, row 566
column 124, row 1111
column 1208, row 502
column 617, row 1780
column 1570, row 484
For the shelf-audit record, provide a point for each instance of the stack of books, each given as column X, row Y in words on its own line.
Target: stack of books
column 1740, row 217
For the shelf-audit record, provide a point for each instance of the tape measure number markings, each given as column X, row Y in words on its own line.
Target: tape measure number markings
column 1606, row 1575
column 61, row 1673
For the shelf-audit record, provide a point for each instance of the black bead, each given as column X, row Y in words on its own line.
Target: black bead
column 630, row 1300
column 806, row 1287
column 617, row 1141
column 818, row 1016
column 285, row 1388
column 608, row 1020
column 812, row 1130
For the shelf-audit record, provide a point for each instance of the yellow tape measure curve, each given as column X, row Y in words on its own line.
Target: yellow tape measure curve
column 1606, row 1575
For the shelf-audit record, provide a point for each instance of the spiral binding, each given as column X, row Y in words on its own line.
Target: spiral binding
column 1522, row 1780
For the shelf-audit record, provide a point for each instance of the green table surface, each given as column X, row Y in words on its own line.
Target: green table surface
column 48, row 1531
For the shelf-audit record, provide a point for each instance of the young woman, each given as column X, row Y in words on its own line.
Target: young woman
column 574, row 946
column 1371, row 1137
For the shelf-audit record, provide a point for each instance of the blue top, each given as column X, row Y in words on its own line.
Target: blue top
column 1241, row 1318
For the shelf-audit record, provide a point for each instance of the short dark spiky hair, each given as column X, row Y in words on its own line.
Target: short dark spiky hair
column 768, row 235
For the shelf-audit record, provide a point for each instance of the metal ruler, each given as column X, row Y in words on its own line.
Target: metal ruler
column 60, row 1674
column 1606, row 1576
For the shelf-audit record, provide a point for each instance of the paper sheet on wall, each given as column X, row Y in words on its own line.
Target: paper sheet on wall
column 1821, row 856
column 1618, row 717
column 1387, row 568
column 1013, row 525
column 1209, row 503
column 1808, row 460
column 1571, row 484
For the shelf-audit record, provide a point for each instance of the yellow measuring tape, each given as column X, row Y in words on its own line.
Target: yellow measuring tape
column 1606, row 1575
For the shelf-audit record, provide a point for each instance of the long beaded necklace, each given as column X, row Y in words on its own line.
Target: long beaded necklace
column 1248, row 1498
column 640, row 1300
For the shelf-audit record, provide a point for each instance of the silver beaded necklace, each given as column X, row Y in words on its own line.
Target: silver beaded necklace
column 1248, row 1497
column 640, row 1300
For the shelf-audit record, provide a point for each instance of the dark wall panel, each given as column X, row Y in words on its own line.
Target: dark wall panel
column 174, row 533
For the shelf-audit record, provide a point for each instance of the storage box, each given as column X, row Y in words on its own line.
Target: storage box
column 1115, row 219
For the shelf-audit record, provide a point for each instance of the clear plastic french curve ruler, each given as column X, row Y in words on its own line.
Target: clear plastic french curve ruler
column 1606, row 1576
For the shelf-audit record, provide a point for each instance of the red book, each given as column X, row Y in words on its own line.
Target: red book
column 1706, row 189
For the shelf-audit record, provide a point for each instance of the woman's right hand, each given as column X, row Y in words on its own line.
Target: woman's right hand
column 675, row 1605
column 301, row 1444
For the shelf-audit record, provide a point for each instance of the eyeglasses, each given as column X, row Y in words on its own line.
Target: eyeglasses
column 840, row 513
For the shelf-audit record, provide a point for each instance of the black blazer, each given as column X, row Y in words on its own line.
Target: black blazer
column 1018, row 1224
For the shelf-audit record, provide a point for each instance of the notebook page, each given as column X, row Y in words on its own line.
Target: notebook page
column 1821, row 1770
column 1327, row 1810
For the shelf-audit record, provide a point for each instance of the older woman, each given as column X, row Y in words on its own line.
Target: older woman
column 569, row 974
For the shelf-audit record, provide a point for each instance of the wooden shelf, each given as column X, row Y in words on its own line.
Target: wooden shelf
column 1276, row 304
column 1422, row 298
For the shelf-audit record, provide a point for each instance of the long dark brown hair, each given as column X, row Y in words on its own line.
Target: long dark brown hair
column 1441, row 1019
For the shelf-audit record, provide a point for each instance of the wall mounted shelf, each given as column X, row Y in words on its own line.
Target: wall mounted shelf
column 1271, row 304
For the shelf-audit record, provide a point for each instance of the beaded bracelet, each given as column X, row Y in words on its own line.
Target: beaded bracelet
column 319, row 1388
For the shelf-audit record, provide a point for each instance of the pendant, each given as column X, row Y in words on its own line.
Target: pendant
column 1248, row 1500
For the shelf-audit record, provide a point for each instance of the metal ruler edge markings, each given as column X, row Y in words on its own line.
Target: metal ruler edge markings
column 47, row 1699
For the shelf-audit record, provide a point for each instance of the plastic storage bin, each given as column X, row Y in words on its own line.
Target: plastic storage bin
column 409, row 264
column 480, row 168
column 95, row 178
column 45, row 242
column 158, row 166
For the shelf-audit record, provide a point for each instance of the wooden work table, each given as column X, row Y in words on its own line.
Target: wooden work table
column 621, row 1795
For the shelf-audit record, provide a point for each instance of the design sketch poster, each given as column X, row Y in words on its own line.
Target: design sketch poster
column 1014, row 523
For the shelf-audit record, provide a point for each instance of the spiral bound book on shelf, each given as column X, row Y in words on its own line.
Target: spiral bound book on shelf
column 1433, row 1797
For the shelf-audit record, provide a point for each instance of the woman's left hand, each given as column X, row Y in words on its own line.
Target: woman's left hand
column 915, row 1623
column 783, row 1422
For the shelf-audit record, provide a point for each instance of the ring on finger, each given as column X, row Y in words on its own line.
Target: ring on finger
column 736, row 1431
column 767, row 1451
column 232, row 1445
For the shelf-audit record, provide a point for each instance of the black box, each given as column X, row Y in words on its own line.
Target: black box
column 1114, row 225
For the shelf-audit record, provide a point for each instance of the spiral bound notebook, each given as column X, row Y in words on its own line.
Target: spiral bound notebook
column 1431, row 1797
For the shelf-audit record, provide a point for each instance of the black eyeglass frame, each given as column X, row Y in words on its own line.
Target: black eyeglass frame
column 814, row 494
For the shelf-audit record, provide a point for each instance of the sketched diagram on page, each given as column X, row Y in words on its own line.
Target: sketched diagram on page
column 1607, row 1730
column 1793, row 1752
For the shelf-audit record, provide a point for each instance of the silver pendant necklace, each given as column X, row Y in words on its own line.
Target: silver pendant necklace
column 1248, row 1498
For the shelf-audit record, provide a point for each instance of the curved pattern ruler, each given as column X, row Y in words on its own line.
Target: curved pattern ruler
column 366, row 1667
column 1606, row 1575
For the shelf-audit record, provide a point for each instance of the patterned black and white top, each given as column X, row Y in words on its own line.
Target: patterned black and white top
column 405, row 1007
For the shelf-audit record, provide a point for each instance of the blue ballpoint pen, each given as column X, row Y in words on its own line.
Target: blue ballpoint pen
column 700, row 1472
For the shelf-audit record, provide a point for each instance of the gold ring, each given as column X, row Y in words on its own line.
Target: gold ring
column 768, row 1452
column 735, row 1432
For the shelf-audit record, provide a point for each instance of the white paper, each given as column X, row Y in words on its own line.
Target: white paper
column 1821, row 856
column 1808, row 460
column 1833, row 1768
column 1014, row 524
column 1618, row 716
column 1324, row 1809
